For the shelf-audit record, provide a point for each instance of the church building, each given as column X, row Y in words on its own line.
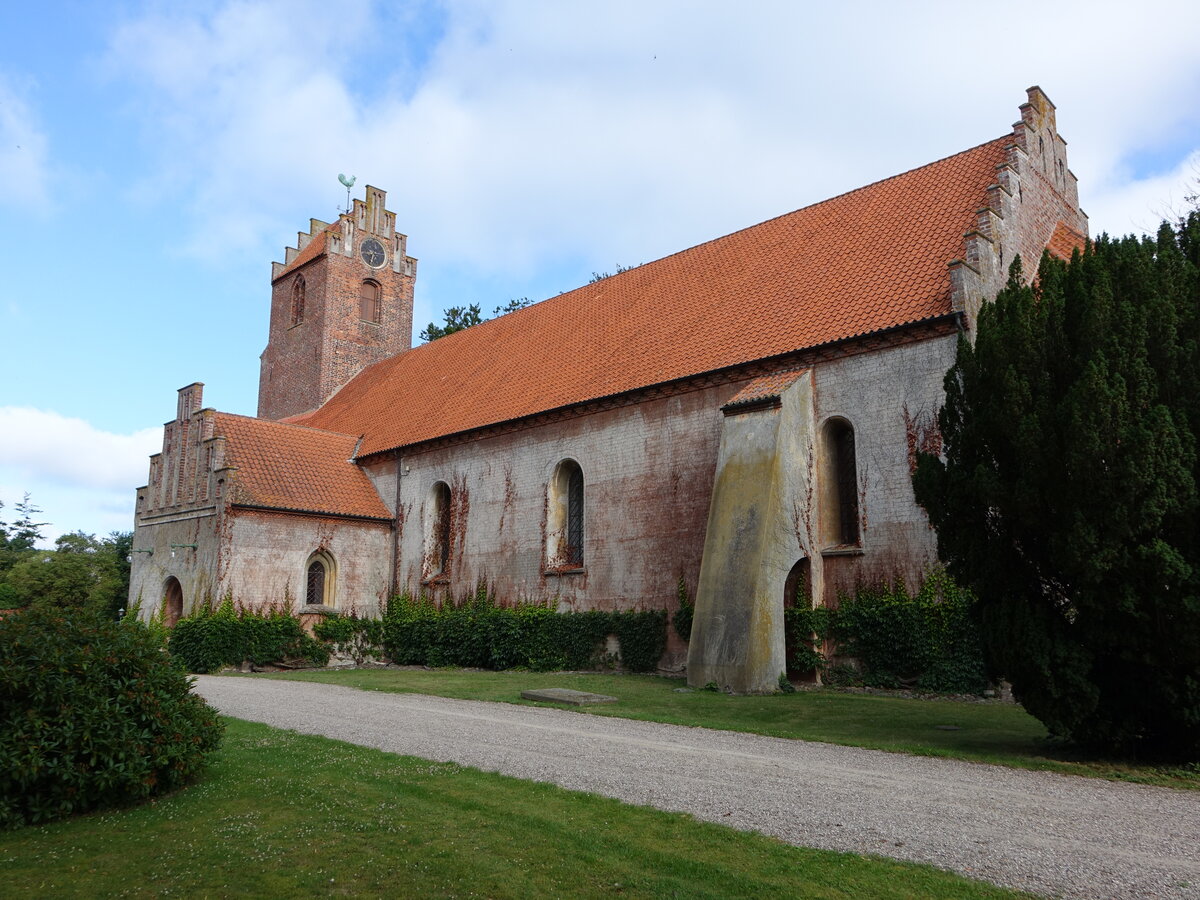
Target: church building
column 741, row 417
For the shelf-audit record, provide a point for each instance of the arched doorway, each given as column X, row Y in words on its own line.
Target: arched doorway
column 172, row 608
column 797, row 593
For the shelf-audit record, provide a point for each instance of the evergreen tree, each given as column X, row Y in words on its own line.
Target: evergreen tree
column 456, row 318
column 24, row 533
column 1067, row 497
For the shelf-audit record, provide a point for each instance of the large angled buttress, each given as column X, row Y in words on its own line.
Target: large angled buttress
column 759, row 523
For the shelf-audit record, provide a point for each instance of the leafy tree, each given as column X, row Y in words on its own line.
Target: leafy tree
column 1067, row 498
column 80, row 571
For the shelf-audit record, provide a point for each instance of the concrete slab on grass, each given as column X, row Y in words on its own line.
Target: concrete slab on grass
column 566, row 695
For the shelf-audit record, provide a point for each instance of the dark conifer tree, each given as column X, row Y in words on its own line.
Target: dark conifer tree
column 1067, row 496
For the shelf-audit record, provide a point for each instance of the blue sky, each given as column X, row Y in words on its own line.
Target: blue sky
column 155, row 157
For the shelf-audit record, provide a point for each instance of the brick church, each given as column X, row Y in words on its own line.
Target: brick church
column 742, row 416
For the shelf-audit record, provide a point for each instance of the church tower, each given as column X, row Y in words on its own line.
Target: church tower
column 341, row 300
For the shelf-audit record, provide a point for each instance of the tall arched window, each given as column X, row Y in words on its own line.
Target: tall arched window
column 318, row 580
column 368, row 301
column 839, row 485
column 437, row 540
column 565, row 517
column 298, row 300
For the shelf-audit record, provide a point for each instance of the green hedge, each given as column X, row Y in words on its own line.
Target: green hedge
column 92, row 714
column 478, row 633
column 928, row 641
column 227, row 637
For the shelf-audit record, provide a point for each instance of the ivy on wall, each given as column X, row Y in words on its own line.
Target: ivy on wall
column 927, row 641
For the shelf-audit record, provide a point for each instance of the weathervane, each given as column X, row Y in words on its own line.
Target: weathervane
column 347, row 182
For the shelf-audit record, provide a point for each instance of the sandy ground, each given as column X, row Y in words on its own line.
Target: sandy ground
column 1049, row 834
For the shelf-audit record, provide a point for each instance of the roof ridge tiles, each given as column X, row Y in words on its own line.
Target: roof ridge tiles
column 286, row 424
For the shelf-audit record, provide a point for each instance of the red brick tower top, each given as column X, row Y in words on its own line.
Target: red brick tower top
column 341, row 300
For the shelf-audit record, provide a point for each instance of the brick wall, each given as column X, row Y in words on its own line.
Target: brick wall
column 1033, row 192
column 305, row 363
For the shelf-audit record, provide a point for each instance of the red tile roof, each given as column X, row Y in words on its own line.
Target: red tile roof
column 296, row 468
column 861, row 262
column 766, row 387
column 1064, row 240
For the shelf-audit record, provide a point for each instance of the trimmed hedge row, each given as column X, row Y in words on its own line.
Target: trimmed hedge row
column 477, row 633
column 928, row 641
column 480, row 634
column 227, row 637
column 92, row 714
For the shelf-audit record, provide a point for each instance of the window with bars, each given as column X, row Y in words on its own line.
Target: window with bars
column 315, row 594
column 574, row 554
column 298, row 290
column 368, row 301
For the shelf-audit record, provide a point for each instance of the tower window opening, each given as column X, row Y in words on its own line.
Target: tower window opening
column 368, row 302
column 298, row 300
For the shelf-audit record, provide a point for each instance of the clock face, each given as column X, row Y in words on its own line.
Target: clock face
column 372, row 253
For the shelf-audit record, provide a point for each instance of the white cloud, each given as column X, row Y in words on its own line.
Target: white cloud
column 537, row 132
column 82, row 477
column 23, row 152
column 48, row 447
column 1140, row 205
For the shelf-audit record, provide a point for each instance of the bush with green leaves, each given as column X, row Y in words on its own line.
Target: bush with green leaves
column 927, row 641
column 359, row 639
column 92, row 714
column 228, row 636
column 479, row 633
column 805, row 631
column 682, row 619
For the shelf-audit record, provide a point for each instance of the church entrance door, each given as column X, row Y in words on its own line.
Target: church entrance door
column 172, row 602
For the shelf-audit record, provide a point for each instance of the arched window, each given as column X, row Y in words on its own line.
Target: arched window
column 318, row 580
column 565, row 517
column 298, row 300
column 839, row 485
column 368, row 301
column 172, row 602
column 437, row 535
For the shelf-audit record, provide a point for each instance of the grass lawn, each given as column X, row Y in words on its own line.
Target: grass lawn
column 999, row 733
column 285, row 815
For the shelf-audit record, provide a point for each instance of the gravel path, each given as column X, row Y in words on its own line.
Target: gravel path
column 1049, row 834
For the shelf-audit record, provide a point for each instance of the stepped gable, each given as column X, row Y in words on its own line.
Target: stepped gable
column 312, row 247
column 290, row 467
column 865, row 261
